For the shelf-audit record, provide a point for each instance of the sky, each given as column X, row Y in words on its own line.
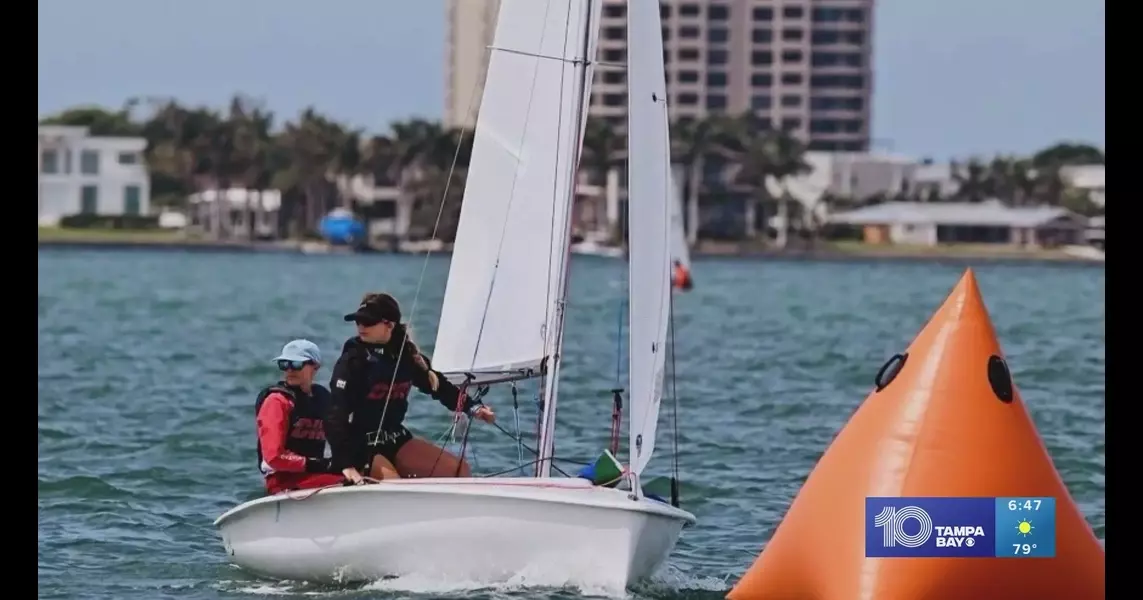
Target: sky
column 953, row 78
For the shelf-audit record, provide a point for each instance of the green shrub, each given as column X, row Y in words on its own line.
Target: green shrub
column 89, row 221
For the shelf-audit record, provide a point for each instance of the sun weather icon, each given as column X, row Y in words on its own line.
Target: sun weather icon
column 1025, row 527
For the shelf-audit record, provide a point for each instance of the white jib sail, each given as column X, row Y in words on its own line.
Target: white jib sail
column 649, row 194
column 498, row 315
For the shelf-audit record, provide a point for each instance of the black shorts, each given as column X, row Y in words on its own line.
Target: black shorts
column 386, row 444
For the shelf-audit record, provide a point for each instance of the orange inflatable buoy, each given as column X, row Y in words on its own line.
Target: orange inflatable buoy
column 944, row 421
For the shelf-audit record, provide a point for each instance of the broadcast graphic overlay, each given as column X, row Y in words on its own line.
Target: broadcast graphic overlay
column 929, row 527
column 1026, row 527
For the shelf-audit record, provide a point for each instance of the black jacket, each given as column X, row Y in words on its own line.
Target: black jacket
column 360, row 387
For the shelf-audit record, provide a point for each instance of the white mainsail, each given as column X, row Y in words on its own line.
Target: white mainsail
column 650, row 191
column 506, row 280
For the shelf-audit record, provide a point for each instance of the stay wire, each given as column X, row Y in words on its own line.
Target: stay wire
column 674, row 399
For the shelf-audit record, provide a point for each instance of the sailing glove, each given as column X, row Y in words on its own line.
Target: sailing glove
column 470, row 405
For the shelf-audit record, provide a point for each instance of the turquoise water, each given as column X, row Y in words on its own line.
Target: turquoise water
column 149, row 362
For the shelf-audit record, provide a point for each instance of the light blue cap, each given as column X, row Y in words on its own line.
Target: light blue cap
column 300, row 351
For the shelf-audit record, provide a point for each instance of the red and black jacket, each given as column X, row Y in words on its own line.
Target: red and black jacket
column 291, row 430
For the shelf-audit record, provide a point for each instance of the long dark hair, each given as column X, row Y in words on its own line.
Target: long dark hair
column 400, row 342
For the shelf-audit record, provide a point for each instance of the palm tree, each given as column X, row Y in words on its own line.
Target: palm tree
column 411, row 144
column 312, row 144
column 693, row 142
column 310, row 159
column 1011, row 180
column 1049, row 185
column 767, row 157
column 443, row 164
column 975, row 185
column 246, row 133
column 1068, row 153
column 178, row 145
column 98, row 120
column 348, row 162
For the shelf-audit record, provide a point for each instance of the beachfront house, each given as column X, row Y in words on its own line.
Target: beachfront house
column 990, row 222
column 234, row 213
column 728, row 208
column 1096, row 231
column 82, row 174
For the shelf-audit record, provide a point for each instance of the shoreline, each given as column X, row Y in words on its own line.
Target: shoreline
column 179, row 245
column 829, row 253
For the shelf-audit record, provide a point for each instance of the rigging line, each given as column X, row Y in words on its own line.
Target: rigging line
column 519, row 467
column 556, row 167
column 516, row 468
column 551, row 238
column 519, row 436
column 674, row 398
column 455, row 420
column 619, row 344
column 535, row 452
column 546, row 420
column 556, row 179
column 668, row 233
column 428, row 253
column 544, row 341
column 511, row 194
column 551, row 229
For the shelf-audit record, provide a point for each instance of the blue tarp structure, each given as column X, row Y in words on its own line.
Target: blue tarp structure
column 340, row 227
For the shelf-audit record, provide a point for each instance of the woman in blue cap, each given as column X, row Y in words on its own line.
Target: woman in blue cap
column 371, row 381
column 290, row 415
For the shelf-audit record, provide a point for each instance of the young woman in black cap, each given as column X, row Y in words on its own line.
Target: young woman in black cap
column 370, row 386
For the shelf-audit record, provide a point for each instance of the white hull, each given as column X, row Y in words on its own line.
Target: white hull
column 479, row 530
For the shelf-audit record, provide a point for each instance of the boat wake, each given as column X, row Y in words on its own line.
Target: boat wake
column 668, row 584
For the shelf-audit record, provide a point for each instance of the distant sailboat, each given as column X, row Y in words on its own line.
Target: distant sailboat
column 680, row 254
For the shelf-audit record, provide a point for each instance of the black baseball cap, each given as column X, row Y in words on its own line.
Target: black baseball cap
column 375, row 308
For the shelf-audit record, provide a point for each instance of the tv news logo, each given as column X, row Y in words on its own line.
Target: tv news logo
column 929, row 527
column 891, row 521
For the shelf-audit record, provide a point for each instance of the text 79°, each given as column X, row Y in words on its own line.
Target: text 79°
column 1023, row 548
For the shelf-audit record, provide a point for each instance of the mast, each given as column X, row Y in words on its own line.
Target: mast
column 550, row 387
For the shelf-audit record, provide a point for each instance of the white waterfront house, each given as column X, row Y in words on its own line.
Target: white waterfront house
column 94, row 175
column 989, row 222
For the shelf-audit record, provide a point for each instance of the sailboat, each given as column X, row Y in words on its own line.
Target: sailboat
column 679, row 250
column 502, row 321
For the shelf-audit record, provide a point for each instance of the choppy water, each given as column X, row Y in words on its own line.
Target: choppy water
column 148, row 363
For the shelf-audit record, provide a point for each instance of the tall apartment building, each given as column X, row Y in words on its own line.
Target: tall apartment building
column 471, row 25
column 801, row 65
